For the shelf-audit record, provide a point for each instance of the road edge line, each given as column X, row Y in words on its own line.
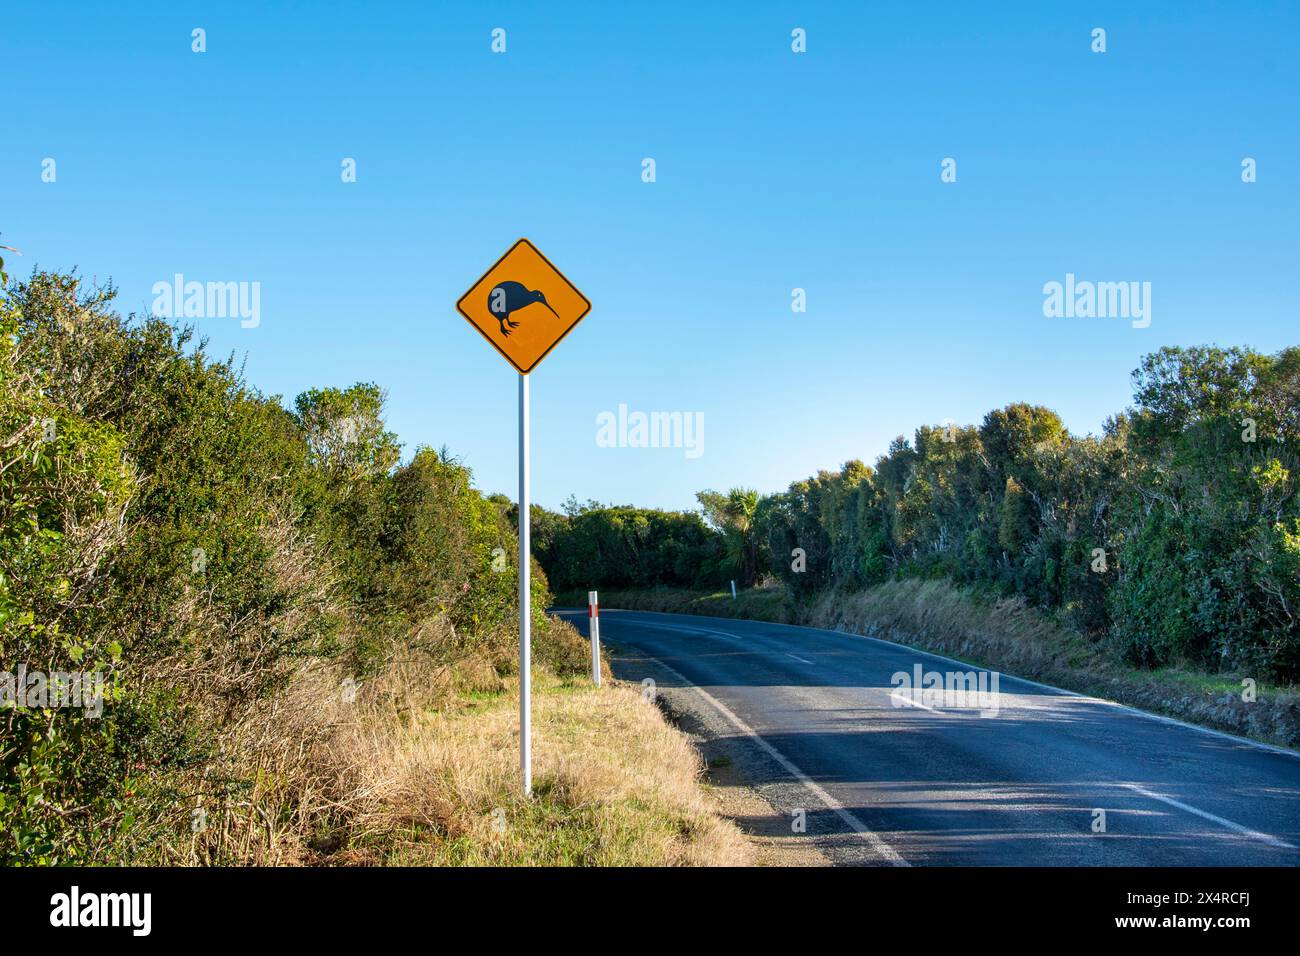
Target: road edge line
column 877, row 843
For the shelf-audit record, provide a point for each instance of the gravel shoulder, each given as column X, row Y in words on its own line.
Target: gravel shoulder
column 764, row 814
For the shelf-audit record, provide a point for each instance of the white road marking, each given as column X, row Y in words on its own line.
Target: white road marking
column 1083, row 698
column 864, row 831
column 1222, row 735
column 884, row 848
column 912, row 703
column 797, row 657
column 1228, row 824
column 696, row 630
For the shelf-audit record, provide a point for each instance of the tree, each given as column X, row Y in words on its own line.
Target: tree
column 732, row 514
column 345, row 430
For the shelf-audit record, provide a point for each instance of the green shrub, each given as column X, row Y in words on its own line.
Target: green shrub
column 166, row 525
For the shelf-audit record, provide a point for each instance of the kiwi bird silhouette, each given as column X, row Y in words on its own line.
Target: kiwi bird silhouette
column 508, row 297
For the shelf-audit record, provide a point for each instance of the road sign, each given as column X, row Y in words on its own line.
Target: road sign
column 523, row 305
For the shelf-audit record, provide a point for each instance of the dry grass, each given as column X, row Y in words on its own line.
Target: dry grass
column 614, row 785
column 953, row 621
column 421, row 767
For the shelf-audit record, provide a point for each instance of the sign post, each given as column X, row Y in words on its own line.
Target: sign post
column 525, row 600
column 523, row 306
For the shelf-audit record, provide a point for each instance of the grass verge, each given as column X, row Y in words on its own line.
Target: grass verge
column 614, row 785
column 419, row 766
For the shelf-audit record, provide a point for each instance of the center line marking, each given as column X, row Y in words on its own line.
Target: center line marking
column 797, row 657
column 691, row 630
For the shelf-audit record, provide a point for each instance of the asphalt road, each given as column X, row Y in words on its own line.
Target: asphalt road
column 877, row 778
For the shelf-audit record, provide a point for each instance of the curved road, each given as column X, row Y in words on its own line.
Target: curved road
column 1031, row 776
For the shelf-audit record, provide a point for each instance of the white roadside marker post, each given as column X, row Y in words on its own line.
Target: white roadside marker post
column 733, row 590
column 593, row 612
column 525, row 621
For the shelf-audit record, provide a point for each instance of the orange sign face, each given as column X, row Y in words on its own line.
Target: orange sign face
column 523, row 305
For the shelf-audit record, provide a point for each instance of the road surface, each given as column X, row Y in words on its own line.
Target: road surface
column 1043, row 778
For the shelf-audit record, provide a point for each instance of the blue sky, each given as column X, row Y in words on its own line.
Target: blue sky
column 775, row 170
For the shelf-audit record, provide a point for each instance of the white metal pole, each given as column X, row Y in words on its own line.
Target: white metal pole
column 525, row 621
column 593, row 607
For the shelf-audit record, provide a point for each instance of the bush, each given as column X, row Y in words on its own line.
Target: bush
column 204, row 549
column 1171, row 537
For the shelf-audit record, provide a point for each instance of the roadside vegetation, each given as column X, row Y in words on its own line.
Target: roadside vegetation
column 308, row 646
column 1163, row 552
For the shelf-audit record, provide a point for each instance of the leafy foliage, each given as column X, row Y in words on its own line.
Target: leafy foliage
column 198, row 544
column 593, row 545
column 1171, row 537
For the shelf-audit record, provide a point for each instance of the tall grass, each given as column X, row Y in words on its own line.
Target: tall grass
column 421, row 768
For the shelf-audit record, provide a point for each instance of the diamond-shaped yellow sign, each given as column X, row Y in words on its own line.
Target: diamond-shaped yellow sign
column 523, row 305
